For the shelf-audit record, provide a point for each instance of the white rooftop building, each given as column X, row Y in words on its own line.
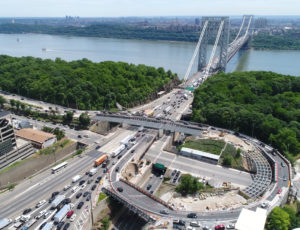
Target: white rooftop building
column 250, row 220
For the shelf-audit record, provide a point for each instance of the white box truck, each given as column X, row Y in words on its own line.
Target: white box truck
column 57, row 201
column 4, row 222
column 93, row 171
column 62, row 213
column 76, row 178
column 48, row 226
column 118, row 150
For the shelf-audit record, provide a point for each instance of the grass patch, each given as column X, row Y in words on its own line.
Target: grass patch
column 205, row 145
column 11, row 166
column 102, row 196
column 78, row 152
column 56, row 147
column 231, row 157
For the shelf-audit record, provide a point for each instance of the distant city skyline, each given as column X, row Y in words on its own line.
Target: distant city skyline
column 126, row 8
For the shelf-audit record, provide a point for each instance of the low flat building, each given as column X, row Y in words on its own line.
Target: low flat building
column 38, row 139
column 251, row 220
column 200, row 155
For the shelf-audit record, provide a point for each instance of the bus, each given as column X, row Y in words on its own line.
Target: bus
column 59, row 167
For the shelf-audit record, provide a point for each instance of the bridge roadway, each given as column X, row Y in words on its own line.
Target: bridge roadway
column 150, row 122
column 148, row 205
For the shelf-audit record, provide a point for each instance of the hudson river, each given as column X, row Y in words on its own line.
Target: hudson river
column 169, row 55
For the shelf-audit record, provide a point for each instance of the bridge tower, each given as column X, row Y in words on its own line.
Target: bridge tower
column 215, row 25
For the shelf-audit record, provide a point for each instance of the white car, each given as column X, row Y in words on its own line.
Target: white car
column 47, row 214
column 73, row 217
column 190, row 228
column 83, row 186
column 75, row 188
column 195, row 224
column 67, row 187
column 71, row 205
column 40, row 214
column 230, row 226
column 40, row 203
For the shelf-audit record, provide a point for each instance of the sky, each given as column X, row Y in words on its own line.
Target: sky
column 120, row 8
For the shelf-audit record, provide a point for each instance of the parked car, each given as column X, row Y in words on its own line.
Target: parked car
column 43, row 224
column 165, row 212
column 220, row 227
column 93, row 187
column 81, row 182
column 60, row 225
column 88, row 197
column 120, row 189
column 70, row 214
column 85, row 194
column 73, row 217
column 40, row 203
column 149, row 186
column 66, row 226
column 54, row 194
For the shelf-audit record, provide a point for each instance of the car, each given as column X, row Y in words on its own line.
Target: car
column 81, row 182
column 165, row 212
column 98, row 179
column 67, row 200
column 151, row 192
column 93, row 187
column 66, row 226
column 279, row 191
column 264, row 205
column 42, row 225
column 220, row 227
column 89, row 181
column 46, row 215
column 206, row 228
column 78, row 195
column 54, row 194
column 85, row 194
column 60, row 225
column 67, row 187
column 132, row 151
column 149, row 186
column 98, row 147
column 284, row 178
column 190, row 228
column 195, row 224
column 105, row 170
column 41, row 213
column 114, row 162
column 40, row 203
column 73, row 217
column 83, row 186
column 79, row 136
column 27, row 210
column 192, row 215
column 117, row 169
column 80, row 205
column 70, row 214
column 120, row 189
column 230, row 226
column 88, row 197
column 119, row 156
column 87, row 172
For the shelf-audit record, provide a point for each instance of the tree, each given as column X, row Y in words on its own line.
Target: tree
column 12, row 102
column 227, row 161
column 278, row 220
column 188, row 185
column 2, row 101
column 23, row 106
column 18, row 104
column 84, row 120
column 68, row 117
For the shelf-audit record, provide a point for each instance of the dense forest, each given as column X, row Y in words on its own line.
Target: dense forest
column 265, row 105
column 284, row 41
column 81, row 84
column 110, row 31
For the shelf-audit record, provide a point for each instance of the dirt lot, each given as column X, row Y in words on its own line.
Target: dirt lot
column 213, row 203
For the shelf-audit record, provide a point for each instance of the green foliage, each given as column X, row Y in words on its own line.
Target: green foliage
column 264, row 105
column 84, row 120
column 2, row 101
column 11, row 186
column 68, row 117
column 188, row 185
column 78, row 152
column 57, row 132
column 105, row 221
column 206, row 145
column 102, row 196
column 278, row 220
column 227, row 161
column 81, row 84
column 284, row 41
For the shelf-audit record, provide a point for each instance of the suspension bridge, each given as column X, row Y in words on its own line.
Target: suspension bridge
column 217, row 27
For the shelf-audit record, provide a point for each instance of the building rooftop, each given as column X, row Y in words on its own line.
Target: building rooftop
column 200, row 153
column 34, row 135
column 251, row 220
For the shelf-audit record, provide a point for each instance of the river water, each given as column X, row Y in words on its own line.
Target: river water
column 170, row 55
